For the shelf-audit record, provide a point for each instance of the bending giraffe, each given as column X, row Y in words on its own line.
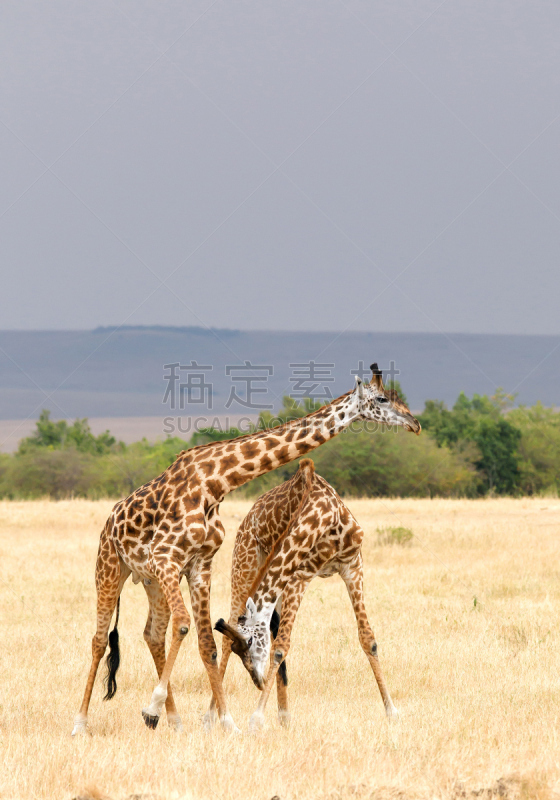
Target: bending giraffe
column 170, row 528
column 273, row 565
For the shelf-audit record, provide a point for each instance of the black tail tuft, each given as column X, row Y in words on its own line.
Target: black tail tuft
column 274, row 626
column 113, row 660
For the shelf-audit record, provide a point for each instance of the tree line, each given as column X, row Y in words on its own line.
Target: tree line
column 482, row 446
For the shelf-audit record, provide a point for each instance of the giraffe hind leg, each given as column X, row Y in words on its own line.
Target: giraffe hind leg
column 154, row 636
column 354, row 579
column 199, row 585
column 168, row 579
column 110, row 577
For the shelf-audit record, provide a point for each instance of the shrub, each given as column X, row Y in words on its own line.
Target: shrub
column 399, row 536
column 49, row 473
column 479, row 421
column 539, row 448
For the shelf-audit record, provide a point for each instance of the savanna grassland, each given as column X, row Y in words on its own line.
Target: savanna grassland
column 466, row 617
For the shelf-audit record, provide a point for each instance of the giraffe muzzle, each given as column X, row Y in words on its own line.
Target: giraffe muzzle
column 241, row 648
column 413, row 425
column 257, row 679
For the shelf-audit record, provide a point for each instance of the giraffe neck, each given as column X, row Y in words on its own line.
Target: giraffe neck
column 259, row 453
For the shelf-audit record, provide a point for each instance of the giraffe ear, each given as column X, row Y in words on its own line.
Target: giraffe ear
column 359, row 387
column 377, row 377
column 250, row 612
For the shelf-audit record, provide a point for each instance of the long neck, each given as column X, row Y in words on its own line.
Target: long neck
column 256, row 454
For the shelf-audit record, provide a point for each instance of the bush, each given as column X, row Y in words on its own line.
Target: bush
column 539, row 448
column 471, row 450
column 49, row 473
column 44, row 471
column 123, row 472
column 479, row 422
column 394, row 463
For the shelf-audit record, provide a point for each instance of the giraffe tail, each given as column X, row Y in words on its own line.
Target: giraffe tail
column 113, row 658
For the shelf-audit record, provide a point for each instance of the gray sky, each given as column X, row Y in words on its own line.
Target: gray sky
column 282, row 165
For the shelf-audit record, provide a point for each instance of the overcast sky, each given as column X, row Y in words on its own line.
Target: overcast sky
column 303, row 164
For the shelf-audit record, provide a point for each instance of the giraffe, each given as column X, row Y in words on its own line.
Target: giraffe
column 273, row 562
column 170, row 528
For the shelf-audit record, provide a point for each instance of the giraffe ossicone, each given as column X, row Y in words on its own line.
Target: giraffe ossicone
column 170, row 528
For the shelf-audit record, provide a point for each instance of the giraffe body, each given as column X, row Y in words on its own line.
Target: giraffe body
column 324, row 540
column 170, row 528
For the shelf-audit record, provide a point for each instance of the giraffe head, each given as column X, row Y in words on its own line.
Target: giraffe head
column 250, row 640
column 376, row 403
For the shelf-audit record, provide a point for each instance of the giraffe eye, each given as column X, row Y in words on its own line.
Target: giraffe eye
column 382, row 400
column 249, row 641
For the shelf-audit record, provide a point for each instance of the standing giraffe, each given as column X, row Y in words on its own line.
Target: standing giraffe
column 273, row 562
column 170, row 528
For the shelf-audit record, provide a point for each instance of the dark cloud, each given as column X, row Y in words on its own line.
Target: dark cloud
column 302, row 166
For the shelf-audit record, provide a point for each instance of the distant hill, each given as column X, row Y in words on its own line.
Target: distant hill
column 118, row 372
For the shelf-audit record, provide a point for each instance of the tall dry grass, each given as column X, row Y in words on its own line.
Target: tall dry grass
column 467, row 623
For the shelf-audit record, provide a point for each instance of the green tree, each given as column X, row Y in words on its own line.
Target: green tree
column 391, row 462
column 289, row 410
column 51, row 473
column 539, row 448
column 206, row 435
column 136, row 464
column 479, row 421
column 60, row 435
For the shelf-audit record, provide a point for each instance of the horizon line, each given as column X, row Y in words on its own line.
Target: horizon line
column 240, row 331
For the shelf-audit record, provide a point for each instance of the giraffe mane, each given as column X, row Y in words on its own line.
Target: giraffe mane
column 292, row 423
column 307, row 469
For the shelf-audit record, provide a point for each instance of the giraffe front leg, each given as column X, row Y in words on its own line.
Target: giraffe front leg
column 181, row 622
column 282, row 674
column 210, row 718
column 353, row 578
column 199, row 585
column 244, row 567
column 291, row 599
column 284, row 716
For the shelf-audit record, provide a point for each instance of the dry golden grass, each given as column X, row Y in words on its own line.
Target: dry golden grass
column 477, row 684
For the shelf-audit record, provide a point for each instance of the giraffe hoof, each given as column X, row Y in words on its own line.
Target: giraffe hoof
column 284, row 718
column 174, row 723
column 256, row 723
column 80, row 728
column 150, row 720
column 228, row 725
column 209, row 720
column 392, row 714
